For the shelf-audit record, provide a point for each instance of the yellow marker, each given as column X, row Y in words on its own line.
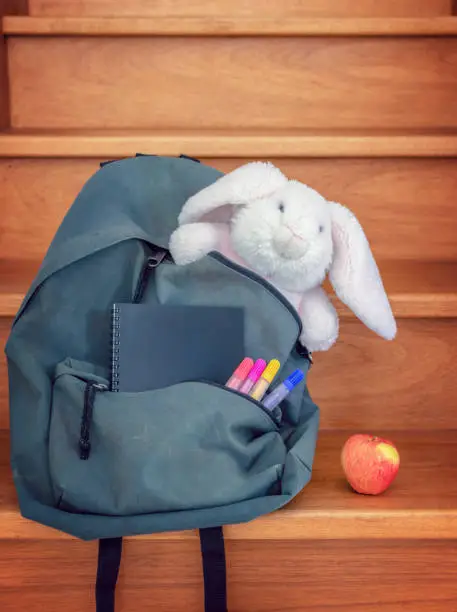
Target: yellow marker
column 261, row 386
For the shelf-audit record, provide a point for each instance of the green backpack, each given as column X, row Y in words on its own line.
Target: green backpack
column 112, row 247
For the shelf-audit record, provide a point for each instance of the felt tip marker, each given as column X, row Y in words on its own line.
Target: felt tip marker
column 265, row 381
column 253, row 376
column 240, row 374
column 283, row 390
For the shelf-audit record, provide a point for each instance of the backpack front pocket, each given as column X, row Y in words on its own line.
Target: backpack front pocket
column 189, row 446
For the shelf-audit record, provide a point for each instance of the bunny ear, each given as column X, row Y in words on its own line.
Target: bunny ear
column 355, row 275
column 249, row 182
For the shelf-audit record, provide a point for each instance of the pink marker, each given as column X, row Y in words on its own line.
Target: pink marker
column 253, row 376
column 240, row 374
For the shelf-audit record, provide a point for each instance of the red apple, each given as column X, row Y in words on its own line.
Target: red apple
column 370, row 463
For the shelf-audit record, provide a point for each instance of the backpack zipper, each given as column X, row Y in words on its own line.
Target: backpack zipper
column 86, row 421
column 300, row 349
column 275, row 416
column 151, row 263
column 159, row 255
column 260, row 281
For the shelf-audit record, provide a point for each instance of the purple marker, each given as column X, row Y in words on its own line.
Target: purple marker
column 283, row 390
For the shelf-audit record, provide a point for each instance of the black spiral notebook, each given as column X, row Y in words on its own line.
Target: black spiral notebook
column 157, row 346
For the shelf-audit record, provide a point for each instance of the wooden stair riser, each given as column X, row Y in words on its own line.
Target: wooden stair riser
column 316, row 576
column 7, row 7
column 405, row 205
column 315, row 8
column 4, row 101
column 235, row 83
column 362, row 384
column 20, row 7
column 365, row 383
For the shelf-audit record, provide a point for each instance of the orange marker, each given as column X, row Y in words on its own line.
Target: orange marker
column 240, row 374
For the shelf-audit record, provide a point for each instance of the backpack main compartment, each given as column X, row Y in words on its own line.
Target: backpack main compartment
column 193, row 455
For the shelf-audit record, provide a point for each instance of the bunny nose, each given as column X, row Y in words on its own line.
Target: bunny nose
column 288, row 244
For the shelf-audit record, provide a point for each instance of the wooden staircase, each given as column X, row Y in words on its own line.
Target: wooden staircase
column 357, row 98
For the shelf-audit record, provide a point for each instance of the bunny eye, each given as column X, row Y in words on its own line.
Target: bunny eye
column 281, row 207
column 321, row 229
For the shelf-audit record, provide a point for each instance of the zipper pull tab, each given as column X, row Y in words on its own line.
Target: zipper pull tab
column 86, row 421
column 152, row 262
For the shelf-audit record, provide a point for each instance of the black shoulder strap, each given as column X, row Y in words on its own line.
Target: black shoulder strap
column 214, row 571
column 109, row 560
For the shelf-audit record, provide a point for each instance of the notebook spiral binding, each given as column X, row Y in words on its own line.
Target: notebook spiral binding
column 115, row 341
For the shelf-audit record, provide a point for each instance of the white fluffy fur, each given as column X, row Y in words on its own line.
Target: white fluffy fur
column 194, row 241
column 246, row 183
column 355, row 275
column 291, row 235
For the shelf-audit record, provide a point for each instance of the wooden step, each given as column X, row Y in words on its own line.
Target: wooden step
column 351, row 552
column 248, row 82
column 297, row 576
column 397, row 200
column 229, row 26
column 416, row 289
column 5, row 8
column 235, row 8
column 422, row 503
column 4, row 101
column 409, row 383
column 15, row 278
column 217, row 143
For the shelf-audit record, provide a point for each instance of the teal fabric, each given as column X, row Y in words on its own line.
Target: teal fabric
column 189, row 456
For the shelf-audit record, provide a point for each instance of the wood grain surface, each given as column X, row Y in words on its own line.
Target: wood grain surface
column 253, row 144
column 4, row 100
column 21, row 7
column 267, row 83
column 330, row 550
column 16, row 276
column 4, row 89
column 421, row 503
column 416, row 289
column 366, row 383
column 225, row 26
column 262, row 576
column 179, row 8
column 407, row 384
column 34, row 197
column 7, row 7
column 405, row 205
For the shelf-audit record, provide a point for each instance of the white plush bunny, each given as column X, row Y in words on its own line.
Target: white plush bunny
column 289, row 234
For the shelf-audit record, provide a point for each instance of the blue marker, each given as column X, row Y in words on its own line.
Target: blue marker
column 283, row 390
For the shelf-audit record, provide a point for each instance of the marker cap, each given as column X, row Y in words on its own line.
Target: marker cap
column 294, row 379
column 256, row 371
column 244, row 368
column 271, row 370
